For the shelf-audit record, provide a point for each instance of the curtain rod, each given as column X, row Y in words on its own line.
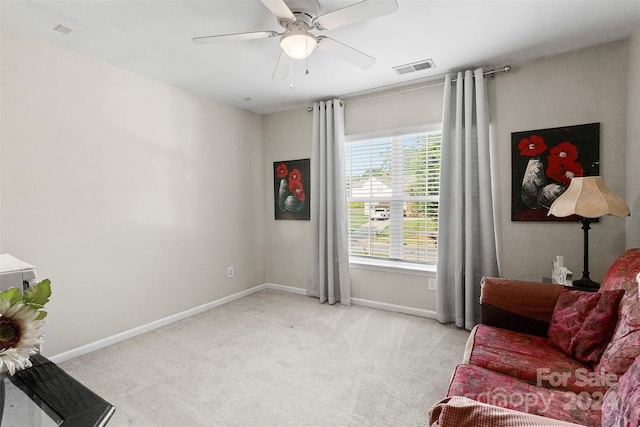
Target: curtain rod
column 492, row 73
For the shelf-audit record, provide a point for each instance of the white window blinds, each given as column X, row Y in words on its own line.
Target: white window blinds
column 392, row 194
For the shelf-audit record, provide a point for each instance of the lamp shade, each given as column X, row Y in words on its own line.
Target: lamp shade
column 588, row 197
column 298, row 44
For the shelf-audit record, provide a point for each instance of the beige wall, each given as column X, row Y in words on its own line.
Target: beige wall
column 575, row 88
column 288, row 136
column 396, row 109
column 132, row 196
column 580, row 87
column 633, row 144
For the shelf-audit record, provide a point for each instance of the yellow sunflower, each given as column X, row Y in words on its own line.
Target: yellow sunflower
column 20, row 335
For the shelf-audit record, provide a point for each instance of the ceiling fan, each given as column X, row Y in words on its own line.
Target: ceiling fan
column 298, row 17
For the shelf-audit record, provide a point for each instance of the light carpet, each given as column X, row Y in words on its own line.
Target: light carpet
column 277, row 359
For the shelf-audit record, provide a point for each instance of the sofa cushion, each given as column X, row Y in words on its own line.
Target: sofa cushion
column 456, row 411
column 486, row 386
column 532, row 359
column 621, row 404
column 596, row 331
column 624, row 346
column 569, row 314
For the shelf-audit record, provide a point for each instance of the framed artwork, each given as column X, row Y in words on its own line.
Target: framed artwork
column 291, row 186
column 543, row 163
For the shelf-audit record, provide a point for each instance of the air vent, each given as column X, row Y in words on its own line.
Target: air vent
column 416, row 66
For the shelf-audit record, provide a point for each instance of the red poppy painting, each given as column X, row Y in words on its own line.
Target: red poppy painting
column 291, row 187
column 543, row 163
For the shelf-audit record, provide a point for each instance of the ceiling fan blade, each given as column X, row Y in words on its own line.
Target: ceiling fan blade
column 367, row 9
column 283, row 67
column 346, row 53
column 236, row 36
column 280, row 9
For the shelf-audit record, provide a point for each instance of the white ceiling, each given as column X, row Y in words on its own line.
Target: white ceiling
column 153, row 38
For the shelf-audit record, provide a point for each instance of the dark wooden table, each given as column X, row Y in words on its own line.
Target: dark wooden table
column 65, row 400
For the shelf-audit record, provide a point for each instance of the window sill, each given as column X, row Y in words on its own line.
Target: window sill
column 392, row 266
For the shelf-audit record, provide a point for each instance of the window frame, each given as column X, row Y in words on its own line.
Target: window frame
column 394, row 264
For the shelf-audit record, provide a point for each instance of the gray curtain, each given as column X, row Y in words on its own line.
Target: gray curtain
column 329, row 273
column 466, row 232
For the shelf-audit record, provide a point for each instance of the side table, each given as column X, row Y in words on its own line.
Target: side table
column 45, row 395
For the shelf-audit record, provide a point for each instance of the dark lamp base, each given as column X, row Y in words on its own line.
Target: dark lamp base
column 586, row 283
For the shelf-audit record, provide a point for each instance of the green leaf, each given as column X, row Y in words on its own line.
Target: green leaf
column 42, row 315
column 39, row 294
column 12, row 294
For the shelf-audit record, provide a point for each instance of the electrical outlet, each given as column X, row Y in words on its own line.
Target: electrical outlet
column 229, row 271
column 431, row 282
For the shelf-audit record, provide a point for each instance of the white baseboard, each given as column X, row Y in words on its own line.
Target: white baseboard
column 363, row 302
column 283, row 288
column 97, row 345
column 396, row 308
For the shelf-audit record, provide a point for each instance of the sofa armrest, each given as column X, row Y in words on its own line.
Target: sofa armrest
column 459, row 411
column 518, row 305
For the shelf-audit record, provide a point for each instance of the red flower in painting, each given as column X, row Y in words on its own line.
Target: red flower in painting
column 565, row 150
column 532, row 146
column 563, row 170
column 294, row 175
column 282, row 170
column 296, row 188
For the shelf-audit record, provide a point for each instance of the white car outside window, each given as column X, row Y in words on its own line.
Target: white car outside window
column 380, row 213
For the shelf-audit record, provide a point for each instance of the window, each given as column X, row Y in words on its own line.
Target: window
column 392, row 196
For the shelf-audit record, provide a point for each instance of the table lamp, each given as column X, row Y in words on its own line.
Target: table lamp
column 588, row 198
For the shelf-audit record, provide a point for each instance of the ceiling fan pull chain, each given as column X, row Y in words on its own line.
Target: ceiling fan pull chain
column 291, row 74
column 306, row 58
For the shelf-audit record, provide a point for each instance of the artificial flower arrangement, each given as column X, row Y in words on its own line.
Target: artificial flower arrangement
column 21, row 320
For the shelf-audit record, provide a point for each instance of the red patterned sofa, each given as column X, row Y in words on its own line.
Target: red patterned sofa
column 546, row 355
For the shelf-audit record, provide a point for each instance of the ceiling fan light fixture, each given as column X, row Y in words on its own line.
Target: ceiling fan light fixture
column 298, row 44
